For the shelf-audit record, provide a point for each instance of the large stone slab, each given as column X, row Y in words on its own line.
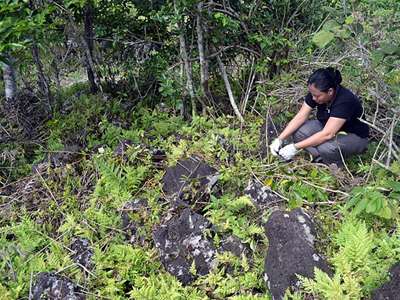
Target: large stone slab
column 390, row 290
column 191, row 179
column 55, row 287
column 291, row 251
column 185, row 248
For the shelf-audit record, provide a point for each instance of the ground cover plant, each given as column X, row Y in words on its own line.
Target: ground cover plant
column 128, row 94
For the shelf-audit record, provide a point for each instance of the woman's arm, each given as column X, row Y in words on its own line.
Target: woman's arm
column 332, row 126
column 296, row 122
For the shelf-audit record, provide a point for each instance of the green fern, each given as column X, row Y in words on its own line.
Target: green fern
column 358, row 262
column 29, row 251
column 329, row 288
column 161, row 286
column 119, row 182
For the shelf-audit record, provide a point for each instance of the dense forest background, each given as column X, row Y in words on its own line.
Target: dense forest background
column 100, row 97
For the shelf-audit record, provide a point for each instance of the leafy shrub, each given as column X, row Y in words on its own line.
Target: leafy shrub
column 372, row 201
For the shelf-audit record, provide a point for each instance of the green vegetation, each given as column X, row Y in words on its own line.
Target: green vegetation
column 61, row 177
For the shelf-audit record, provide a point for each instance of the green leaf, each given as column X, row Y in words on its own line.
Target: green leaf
column 374, row 205
column 323, row 38
column 385, row 213
column 377, row 57
column 389, row 49
column 349, row 20
column 358, row 28
column 331, row 25
column 295, row 202
column 360, row 206
column 394, row 185
column 342, row 33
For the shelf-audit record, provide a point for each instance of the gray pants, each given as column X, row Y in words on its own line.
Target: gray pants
column 347, row 144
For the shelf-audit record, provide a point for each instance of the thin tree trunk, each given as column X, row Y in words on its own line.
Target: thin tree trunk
column 10, row 84
column 187, row 65
column 188, row 71
column 185, row 106
column 87, row 42
column 228, row 87
column 204, row 75
column 56, row 74
column 10, row 105
column 42, row 80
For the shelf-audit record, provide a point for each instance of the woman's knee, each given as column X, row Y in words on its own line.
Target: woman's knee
column 329, row 152
column 309, row 128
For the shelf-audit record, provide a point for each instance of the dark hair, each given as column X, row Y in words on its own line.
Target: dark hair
column 325, row 78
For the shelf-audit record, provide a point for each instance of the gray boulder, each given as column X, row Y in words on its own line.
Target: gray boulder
column 55, row 287
column 390, row 290
column 262, row 196
column 291, row 251
column 239, row 249
column 235, row 246
column 82, row 253
column 185, row 248
column 191, row 180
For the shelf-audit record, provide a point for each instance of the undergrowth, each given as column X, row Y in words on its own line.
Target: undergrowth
column 85, row 198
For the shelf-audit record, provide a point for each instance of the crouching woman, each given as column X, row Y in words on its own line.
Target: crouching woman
column 336, row 134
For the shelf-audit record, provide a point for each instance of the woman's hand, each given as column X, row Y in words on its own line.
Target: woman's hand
column 275, row 146
column 288, row 152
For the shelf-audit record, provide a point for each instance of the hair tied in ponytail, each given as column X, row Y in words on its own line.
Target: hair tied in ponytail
column 325, row 78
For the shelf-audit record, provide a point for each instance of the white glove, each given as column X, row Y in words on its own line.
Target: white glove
column 275, row 146
column 288, row 152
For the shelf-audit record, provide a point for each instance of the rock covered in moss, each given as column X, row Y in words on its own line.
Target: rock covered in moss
column 261, row 195
column 55, row 287
column 291, row 251
column 390, row 290
column 191, row 179
column 234, row 245
column 82, row 253
column 133, row 217
column 184, row 245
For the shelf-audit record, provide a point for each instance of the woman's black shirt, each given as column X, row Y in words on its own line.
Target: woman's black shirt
column 345, row 105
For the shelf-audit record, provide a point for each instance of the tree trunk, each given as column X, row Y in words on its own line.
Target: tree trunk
column 186, row 63
column 10, row 106
column 228, row 87
column 10, row 84
column 204, row 75
column 56, row 73
column 43, row 83
column 87, row 42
